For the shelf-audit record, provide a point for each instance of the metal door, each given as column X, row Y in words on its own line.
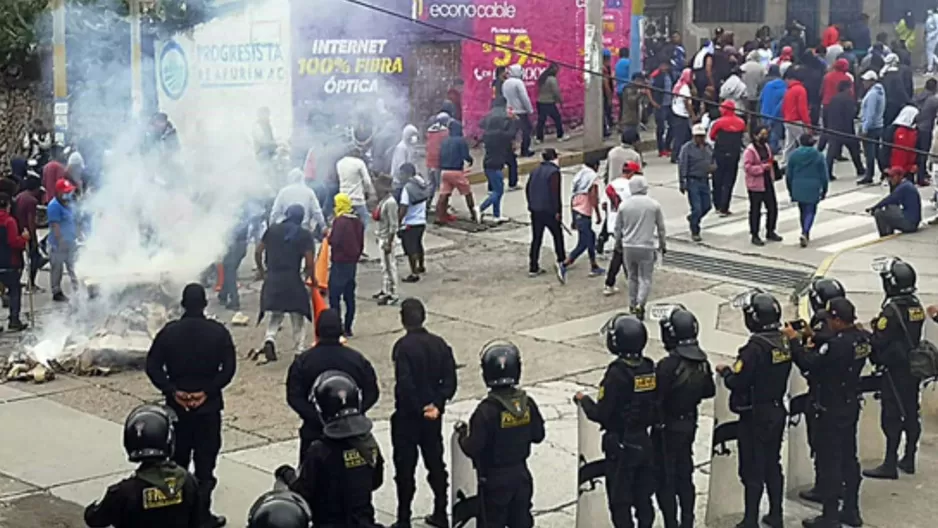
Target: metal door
column 807, row 13
column 845, row 12
column 436, row 66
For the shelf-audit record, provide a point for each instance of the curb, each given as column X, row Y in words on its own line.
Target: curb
column 566, row 160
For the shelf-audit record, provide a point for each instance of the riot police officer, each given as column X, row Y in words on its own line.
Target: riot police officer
column 836, row 366
column 344, row 466
column 684, row 380
column 821, row 291
column 498, row 439
column 758, row 381
column 279, row 509
column 626, row 409
column 160, row 494
column 896, row 330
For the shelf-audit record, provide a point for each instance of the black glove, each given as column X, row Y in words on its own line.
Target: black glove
column 285, row 474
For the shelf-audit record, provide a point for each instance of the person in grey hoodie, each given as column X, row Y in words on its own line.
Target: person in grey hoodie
column 639, row 225
column 403, row 153
column 753, row 73
column 516, row 95
column 548, row 101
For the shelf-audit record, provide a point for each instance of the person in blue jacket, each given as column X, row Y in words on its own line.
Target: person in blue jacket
column 770, row 104
column 902, row 209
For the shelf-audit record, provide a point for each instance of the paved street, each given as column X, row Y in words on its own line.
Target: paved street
column 61, row 446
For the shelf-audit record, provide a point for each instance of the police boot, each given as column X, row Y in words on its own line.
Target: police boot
column 775, row 489
column 851, row 517
column 437, row 519
column 907, row 464
column 827, row 519
column 752, row 497
column 810, row 495
column 887, row 470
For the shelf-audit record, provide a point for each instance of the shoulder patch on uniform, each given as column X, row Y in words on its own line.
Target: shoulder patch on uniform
column 602, row 392
column 154, row 498
column 645, row 382
column 862, row 350
column 881, row 323
column 509, row 420
column 738, row 366
column 916, row 314
column 780, row 355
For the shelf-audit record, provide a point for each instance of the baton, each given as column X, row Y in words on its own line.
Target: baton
column 895, row 393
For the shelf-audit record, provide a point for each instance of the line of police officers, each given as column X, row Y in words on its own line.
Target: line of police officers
column 648, row 414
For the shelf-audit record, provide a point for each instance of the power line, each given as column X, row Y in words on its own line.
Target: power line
column 582, row 69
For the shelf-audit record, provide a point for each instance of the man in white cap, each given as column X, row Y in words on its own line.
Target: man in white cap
column 694, row 166
column 872, row 110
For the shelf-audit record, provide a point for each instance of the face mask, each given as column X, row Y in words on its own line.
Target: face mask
column 68, row 196
column 413, row 140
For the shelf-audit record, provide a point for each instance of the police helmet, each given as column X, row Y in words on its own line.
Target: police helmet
column 762, row 312
column 339, row 402
column 501, row 364
column 149, row 433
column 679, row 326
column 898, row 278
column 823, row 291
column 280, row 509
column 625, row 335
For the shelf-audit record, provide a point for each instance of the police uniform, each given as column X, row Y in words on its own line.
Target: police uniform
column 836, row 365
column 626, row 409
column 159, row 494
column 500, row 434
column 684, row 379
column 758, row 382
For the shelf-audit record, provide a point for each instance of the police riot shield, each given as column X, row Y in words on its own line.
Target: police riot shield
column 592, row 510
column 871, row 443
column 466, row 505
column 929, row 393
column 725, row 491
column 799, row 471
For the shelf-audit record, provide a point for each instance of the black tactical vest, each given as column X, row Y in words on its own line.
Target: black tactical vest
column 641, row 409
column 511, row 444
column 839, row 382
column 770, row 379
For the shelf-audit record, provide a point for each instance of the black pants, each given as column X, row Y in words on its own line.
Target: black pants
column 614, row 265
column 760, row 468
column 407, row 436
column 900, row 412
column 608, row 117
column 663, row 133
column 924, row 144
column 230, row 264
column 756, row 200
column 834, row 149
column 674, row 451
column 545, row 110
column 680, row 127
column 539, row 222
column 724, row 179
column 524, row 123
column 11, row 279
column 198, row 440
column 630, row 480
column 838, row 469
column 36, row 261
column 506, row 498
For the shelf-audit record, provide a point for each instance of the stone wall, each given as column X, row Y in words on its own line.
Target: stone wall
column 19, row 105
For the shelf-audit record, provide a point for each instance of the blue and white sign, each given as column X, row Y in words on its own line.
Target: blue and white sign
column 173, row 70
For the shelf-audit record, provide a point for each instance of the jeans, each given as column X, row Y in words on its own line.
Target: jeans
column 297, row 320
column 342, row 287
column 871, row 149
column 545, row 110
column 756, row 200
column 230, row 264
column 890, row 219
column 608, row 118
column 11, row 279
column 539, row 222
column 698, row 196
column 663, row 133
column 586, row 238
column 776, row 133
column 62, row 259
column 524, row 123
column 680, row 129
column 36, row 260
column 496, row 190
column 639, row 267
column 361, row 211
column 853, row 147
column 807, row 212
column 724, row 179
column 923, row 144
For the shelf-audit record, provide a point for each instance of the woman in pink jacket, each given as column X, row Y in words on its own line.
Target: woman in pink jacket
column 760, row 183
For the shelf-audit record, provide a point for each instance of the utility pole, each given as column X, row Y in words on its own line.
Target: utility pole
column 59, row 77
column 592, row 54
column 136, row 73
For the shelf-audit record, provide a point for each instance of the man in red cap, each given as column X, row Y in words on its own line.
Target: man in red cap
column 64, row 236
column 617, row 192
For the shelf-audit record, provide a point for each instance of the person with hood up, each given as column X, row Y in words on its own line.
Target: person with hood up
column 872, row 110
column 518, row 101
column 683, row 114
column 829, row 88
column 733, row 87
column 831, row 35
column 499, row 130
column 760, row 184
column 404, row 152
column 795, row 111
column 905, row 30
column 727, row 135
column 838, row 118
column 454, row 155
column 346, row 245
column 859, row 33
column 784, row 60
column 898, row 94
column 549, row 100
column 52, row 172
column 640, row 231
column 931, row 41
column 436, row 135
column 807, row 182
column 75, row 168
column 770, row 106
column 355, row 182
column 412, row 213
column 753, row 74
column 812, row 70
column 298, row 193
column 875, row 59
column 286, row 245
column 904, row 135
column 927, row 103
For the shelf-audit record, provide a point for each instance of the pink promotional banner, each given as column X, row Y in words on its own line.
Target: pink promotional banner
column 552, row 31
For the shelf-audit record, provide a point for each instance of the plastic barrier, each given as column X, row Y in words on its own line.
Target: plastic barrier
column 592, row 508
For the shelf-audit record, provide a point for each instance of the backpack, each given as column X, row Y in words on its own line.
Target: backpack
column 418, row 190
column 923, row 358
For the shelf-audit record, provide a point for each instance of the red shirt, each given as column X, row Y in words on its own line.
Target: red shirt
column 51, row 173
column 455, row 97
column 830, row 36
column 904, row 137
column 346, row 239
column 434, row 143
column 26, row 205
column 795, row 104
column 14, row 241
column 831, row 80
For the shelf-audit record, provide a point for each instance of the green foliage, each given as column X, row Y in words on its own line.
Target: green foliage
column 19, row 24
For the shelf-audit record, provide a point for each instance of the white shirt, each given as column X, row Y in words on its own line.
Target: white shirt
column 416, row 214
column 354, row 179
column 621, row 186
column 298, row 193
column 678, row 103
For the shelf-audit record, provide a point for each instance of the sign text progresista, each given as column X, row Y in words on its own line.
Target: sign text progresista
column 244, row 53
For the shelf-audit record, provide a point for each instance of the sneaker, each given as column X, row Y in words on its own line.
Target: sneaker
column 379, row 295
column 597, row 271
column 501, row 219
column 537, row 273
column 18, row 326
column 437, row 520
column 60, row 297
column 756, row 241
column 538, row 141
column 884, row 471
column 803, row 241
column 270, row 351
column 832, row 178
column 562, row 272
column 348, row 334
column 512, row 188
column 851, row 518
column 411, row 278
column 865, row 181
column 639, row 312
column 696, row 237
column 610, row 290
column 234, row 307
column 773, row 237
column 388, row 300
column 478, row 214
column 564, row 139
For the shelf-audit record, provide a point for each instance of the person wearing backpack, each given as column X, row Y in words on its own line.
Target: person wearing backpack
column 897, row 338
column 412, row 212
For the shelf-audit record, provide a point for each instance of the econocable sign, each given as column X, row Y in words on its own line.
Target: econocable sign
column 496, row 10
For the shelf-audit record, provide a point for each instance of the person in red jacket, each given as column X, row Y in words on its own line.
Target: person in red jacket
column 727, row 135
column 12, row 244
column 795, row 110
column 902, row 133
column 830, row 36
column 832, row 80
column 437, row 132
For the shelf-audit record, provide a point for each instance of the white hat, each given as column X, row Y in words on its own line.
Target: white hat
column 699, row 130
column 870, row 76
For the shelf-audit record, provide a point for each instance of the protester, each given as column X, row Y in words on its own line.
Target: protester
column 63, row 240
column 616, row 193
column 795, row 111
column 770, row 106
column 15, row 239
column 812, row 70
column 682, row 113
column 695, row 165
column 548, row 101
column 639, row 229
column 901, row 210
column 931, row 40
column 37, row 143
column 733, row 88
column 543, row 192
column 753, row 74
column 74, row 170
column 623, row 73
column 497, row 137
column 404, row 152
column 829, row 88
column 412, row 213
column 52, row 172
column 898, row 94
column 609, row 93
column 346, row 245
column 518, row 102
column 927, row 103
column 454, row 96
column 861, row 37
column 585, row 205
column 905, row 30
column 454, row 154
column 298, row 193
column 663, row 82
column 872, row 110
column 834, row 52
column 727, row 135
column 437, row 133
column 807, row 180
column 831, row 35
column 633, row 99
column 388, row 225
column 285, row 245
column 784, row 60
column 237, row 248
column 839, row 118
column 794, row 42
column 26, row 204
column 899, row 140
column 498, row 80
column 355, row 182
column 760, row 184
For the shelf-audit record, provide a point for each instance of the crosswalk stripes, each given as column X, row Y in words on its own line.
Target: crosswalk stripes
column 831, row 227
column 837, row 247
column 741, row 226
